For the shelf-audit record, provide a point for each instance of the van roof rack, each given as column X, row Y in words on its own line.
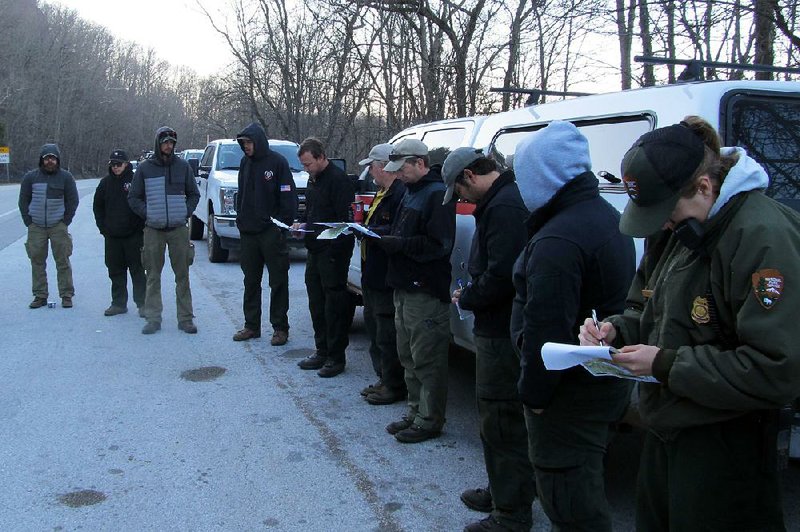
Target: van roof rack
column 535, row 94
column 694, row 67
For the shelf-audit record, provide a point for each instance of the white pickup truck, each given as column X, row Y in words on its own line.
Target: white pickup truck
column 758, row 115
column 218, row 183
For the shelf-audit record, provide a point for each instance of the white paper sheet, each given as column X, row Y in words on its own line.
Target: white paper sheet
column 596, row 359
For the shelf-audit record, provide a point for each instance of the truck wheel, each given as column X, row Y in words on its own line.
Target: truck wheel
column 215, row 251
column 195, row 228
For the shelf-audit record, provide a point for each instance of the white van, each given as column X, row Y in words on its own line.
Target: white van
column 761, row 116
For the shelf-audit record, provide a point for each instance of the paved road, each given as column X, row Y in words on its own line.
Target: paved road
column 102, row 428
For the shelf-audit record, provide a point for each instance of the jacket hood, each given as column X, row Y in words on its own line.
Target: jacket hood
column 260, row 143
column 50, row 149
column 157, row 147
column 548, row 159
column 745, row 175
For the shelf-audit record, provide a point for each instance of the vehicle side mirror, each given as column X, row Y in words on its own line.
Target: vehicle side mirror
column 203, row 171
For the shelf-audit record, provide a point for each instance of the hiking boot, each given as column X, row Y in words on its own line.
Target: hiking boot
column 315, row 361
column 113, row 310
column 245, row 334
column 151, row 327
column 38, row 302
column 372, row 388
column 478, row 499
column 386, row 396
column 188, row 327
column 396, row 426
column 416, row 434
column 66, row 302
column 279, row 337
column 488, row 524
column 331, row 369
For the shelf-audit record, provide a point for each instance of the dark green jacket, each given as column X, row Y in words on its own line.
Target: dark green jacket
column 748, row 357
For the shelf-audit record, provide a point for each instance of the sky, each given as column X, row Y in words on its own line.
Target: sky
column 193, row 42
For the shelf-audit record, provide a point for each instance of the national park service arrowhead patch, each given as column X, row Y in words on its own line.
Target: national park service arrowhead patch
column 700, row 310
column 767, row 287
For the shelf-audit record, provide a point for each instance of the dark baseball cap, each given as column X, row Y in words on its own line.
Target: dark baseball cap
column 454, row 166
column 118, row 156
column 654, row 170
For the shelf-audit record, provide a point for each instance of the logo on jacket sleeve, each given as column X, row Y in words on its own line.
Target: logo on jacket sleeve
column 286, row 188
column 268, row 175
column 126, row 187
column 767, row 287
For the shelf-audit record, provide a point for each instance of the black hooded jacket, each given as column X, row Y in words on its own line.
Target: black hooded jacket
column 266, row 186
column 576, row 260
column 329, row 198
column 112, row 214
column 422, row 239
column 500, row 235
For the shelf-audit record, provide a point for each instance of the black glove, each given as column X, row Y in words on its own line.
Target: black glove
column 390, row 244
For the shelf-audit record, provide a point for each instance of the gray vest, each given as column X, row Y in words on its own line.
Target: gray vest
column 164, row 210
column 44, row 211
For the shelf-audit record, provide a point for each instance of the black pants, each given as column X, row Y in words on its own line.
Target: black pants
column 124, row 254
column 329, row 302
column 268, row 247
column 379, row 321
column 712, row 477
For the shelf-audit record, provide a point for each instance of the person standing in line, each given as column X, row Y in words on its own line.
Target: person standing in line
column 266, row 192
column 500, row 235
column 419, row 246
column 377, row 295
column 712, row 317
column 122, row 231
column 48, row 199
column 575, row 260
column 164, row 194
column 329, row 198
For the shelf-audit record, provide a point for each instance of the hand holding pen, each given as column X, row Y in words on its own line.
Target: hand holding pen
column 593, row 332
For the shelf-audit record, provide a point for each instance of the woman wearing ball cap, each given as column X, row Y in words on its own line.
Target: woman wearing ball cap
column 712, row 316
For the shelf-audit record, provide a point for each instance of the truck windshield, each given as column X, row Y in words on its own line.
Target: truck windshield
column 230, row 155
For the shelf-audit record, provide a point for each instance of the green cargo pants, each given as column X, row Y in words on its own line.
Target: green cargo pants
column 503, row 432
column 61, row 244
column 181, row 255
column 423, row 338
column 379, row 322
column 567, row 443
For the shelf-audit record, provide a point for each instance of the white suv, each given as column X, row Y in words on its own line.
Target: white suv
column 218, row 184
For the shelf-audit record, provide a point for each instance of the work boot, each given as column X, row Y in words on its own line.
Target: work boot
column 372, row 388
column 66, row 302
column 38, row 302
column 188, row 327
column 279, row 337
column 331, row 369
column 113, row 310
column 488, row 524
column 396, row 426
column 416, row 434
column 151, row 327
column 386, row 396
column 315, row 361
column 478, row 499
column 246, row 334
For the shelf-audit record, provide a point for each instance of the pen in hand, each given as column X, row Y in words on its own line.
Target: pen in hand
column 597, row 325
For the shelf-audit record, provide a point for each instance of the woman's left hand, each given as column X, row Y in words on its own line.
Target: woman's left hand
column 638, row 359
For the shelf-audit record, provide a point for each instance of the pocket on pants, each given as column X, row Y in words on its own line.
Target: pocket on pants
column 563, row 493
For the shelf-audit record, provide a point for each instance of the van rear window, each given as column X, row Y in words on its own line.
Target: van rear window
column 768, row 127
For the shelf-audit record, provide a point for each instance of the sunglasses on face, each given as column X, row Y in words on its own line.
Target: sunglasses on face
column 400, row 157
column 117, row 164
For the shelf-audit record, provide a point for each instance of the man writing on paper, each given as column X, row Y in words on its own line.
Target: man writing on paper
column 575, row 260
